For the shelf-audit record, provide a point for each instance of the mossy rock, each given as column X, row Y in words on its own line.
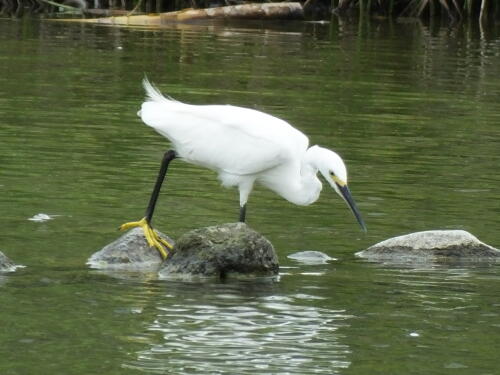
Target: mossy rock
column 220, row 251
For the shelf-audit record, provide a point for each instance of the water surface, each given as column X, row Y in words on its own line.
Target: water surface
column 413, row 110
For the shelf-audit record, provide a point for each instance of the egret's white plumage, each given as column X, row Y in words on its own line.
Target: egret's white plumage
column 245, row 146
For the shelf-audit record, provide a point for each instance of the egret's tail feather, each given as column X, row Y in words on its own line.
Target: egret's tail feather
column 153, row 94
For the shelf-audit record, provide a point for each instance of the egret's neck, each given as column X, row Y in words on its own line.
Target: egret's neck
column 308, row 186
column 310, row 183
column 296, row 182
column 309, row 163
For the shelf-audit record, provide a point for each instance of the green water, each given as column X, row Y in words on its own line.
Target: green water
column 415, row 113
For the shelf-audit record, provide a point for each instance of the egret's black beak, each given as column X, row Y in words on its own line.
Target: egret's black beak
column 346, row 194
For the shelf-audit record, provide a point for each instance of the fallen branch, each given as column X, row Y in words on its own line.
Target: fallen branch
column 245, row 11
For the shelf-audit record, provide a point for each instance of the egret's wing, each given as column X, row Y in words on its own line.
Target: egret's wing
column 225, row 138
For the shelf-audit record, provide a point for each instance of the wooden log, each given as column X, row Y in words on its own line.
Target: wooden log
column 244, row 11
column 266, row 11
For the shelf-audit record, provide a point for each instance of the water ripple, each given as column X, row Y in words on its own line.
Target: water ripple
column 266, row 334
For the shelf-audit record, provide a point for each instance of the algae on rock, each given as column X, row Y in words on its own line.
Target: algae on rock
column 221, row 250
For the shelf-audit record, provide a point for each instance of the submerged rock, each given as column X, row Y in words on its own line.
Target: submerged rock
column 130, row 251
column 431, row 246
column 311, row 257
column 219, row 251
column 6, row 265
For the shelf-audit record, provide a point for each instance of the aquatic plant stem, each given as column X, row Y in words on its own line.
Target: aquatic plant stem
column 138, row 5
column 483, row 12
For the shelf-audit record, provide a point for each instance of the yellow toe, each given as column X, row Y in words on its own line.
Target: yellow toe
column 166, row 243
column 152, row 237
column 132, row 224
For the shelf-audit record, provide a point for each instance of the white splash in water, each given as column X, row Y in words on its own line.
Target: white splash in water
column 40, row 218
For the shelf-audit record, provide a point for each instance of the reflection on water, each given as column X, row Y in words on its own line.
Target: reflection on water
column 233, row 329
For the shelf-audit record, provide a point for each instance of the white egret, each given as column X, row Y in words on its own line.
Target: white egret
column 243, row 146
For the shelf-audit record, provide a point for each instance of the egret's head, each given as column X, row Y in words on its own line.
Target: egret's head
column 333, row 169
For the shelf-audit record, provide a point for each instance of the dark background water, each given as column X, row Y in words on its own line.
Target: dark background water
column 414, row 112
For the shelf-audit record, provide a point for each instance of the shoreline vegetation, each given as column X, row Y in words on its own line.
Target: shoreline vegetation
column 451, row 10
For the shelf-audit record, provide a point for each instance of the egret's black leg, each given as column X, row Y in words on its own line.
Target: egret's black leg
column 243, row 212
column 152, row 237
column 167, row 158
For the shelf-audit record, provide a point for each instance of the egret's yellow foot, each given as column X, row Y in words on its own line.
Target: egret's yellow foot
column 154, row 240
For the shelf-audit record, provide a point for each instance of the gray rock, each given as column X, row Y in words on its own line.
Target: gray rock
column 311, row 257
column 219, row 251
column 128, row 252
column 431, row 246
column 6, row 265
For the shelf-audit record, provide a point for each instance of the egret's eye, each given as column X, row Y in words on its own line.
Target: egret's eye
column 332, row 173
